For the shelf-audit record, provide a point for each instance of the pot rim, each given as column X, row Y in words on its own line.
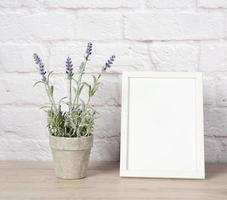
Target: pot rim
column 78, row 138
column 67, row 143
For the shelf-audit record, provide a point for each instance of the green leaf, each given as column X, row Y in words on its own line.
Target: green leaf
column 84, row 83
column 90, row 91
column 42, row 107
column 99, row 76
column 38, row 82
column 59, row 103
column 74, row 89
column 82, row 65
column 49, row 75
column 80, row 89
column 83, row 104
column 94, row 78
column 51, row 90
column 75, row 80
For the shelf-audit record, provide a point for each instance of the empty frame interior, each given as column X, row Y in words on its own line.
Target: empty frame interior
column 162, row 125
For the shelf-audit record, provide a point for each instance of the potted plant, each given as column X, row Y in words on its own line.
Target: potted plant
column 71, row 129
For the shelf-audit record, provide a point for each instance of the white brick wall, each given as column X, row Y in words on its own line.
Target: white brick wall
column 171, row 3
column 146, row 25
column 157, row 35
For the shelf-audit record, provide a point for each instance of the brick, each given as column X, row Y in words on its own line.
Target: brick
column 225, row 28
column 174, row 57
column 43, row 26
column 17, row 89
column 215, row 122
column 213, row 57
column 109, row 92
column 108, row 125
column 20, row 3
column 216, row 149
column 222, row 92
column 24, row 149
column 209, row 90
column 129, row 56
column 108, row 150
column 223, row 154
column 170, row 3
column 23, row 123
column 94, row 4
column 212, row 3
column 181, row 26
column 19, row 57
column 99, row 26
column 212, row 149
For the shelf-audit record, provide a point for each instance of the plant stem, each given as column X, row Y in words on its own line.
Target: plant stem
column 70, row 95
column 78, row 87
column 50, row 97
column 89, row 97
column 81, row 72
column 88, row 101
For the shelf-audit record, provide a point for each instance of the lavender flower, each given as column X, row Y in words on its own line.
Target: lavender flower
column 69, row 67
column 109, row 62
column 88, row 50
column 39, row 62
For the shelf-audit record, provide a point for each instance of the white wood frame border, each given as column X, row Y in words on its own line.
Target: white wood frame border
column 124, row 171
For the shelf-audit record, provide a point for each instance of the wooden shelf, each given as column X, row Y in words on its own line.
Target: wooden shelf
column 22, row 180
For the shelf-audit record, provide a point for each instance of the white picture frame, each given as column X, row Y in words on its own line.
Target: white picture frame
column 162, row 133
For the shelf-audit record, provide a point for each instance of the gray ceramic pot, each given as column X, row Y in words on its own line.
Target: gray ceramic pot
column 71, row 156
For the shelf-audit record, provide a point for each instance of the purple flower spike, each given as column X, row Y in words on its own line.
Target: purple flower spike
column 109, row 63
column 39, row 62
column 88, row 50
column 69, row 67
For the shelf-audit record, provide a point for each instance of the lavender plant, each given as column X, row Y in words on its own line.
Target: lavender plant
column 79, row 119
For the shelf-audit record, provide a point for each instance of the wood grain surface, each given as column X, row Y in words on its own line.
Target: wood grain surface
column 22, row 180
